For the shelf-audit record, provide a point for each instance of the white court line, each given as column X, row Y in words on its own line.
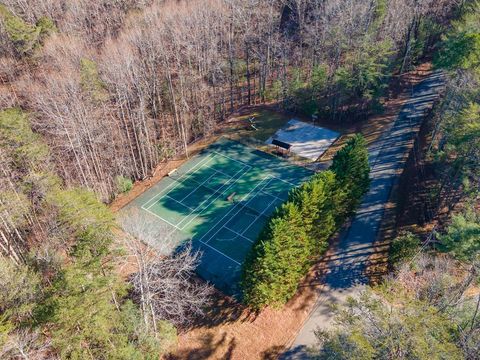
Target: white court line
column 228, row 157
column 177, row 182
column 171, row 198
column 215, row 171
column 199, row 185
column 233, row 208
column 202, row 162
column 276, row 197
column 226, row 227
column 241, row 162
column 258, row 217
column 270, row 178
column 285, row 181
column 228, row 257
column 228, row 239
column 245, row 169
column 230, row 177
column 220, row 194
column 158, row 216
column 221, row 172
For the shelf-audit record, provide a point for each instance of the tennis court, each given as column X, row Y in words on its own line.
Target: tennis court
column 221, row 200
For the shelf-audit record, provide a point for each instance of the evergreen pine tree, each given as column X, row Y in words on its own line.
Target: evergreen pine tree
column 351, row 168
column 87, row 316
column 89, row 220
column 278, row 261
column 324, row 225
column 315, row 199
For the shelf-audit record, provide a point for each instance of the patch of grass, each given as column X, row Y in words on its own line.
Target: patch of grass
column 124, row 184
column 267, row 123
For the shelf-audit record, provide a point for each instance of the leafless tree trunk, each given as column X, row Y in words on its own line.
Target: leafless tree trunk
column 165, row 286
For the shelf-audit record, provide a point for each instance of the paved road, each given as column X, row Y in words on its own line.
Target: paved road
column 387, row 157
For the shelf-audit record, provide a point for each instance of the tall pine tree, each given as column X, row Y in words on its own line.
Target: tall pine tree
column 316, row 200
column 278, row 261
column 351, row 168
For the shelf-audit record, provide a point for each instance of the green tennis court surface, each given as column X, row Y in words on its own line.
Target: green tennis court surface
column 221, row 200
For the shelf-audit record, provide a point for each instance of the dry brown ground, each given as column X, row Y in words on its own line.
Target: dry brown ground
column 230, row 331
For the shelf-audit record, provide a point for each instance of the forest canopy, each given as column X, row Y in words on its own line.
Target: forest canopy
column 96, row 94
column 119, row 86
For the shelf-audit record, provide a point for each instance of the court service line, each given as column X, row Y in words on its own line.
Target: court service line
column 171, row 198
column 285, row 181
column 241, row 162
column 258, row 217
column 208, row 198
column 276, row 197
column 177, row 182
column 203, row 162
column 228, row 257
column 236, row 206
column 233, row 208
column 226, row 227
column 192, row 210
column 199, row 185
column 230, row 177
column 221, row 172
column 220, row 194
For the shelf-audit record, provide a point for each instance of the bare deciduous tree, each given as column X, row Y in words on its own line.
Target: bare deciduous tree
column 165, row 286
column 172, row 70
column 26, row 344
